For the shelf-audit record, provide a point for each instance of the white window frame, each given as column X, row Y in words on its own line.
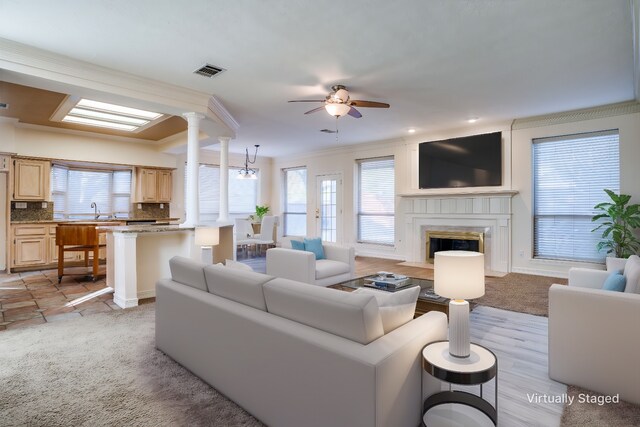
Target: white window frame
column 581, row 216
column 360, row 213
column 285, row 213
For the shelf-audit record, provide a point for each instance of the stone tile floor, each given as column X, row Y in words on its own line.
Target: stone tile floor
column 35, row 297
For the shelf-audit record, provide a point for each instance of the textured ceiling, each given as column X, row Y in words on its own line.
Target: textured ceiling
column 437, row 62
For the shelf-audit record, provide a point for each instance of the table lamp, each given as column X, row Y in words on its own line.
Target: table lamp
column 459, row 275
column 207, row 237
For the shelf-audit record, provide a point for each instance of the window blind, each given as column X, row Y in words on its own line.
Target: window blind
column 73, row 191
column 570, row 174
column 376, row 201
column 295, row 202
column 243, row 193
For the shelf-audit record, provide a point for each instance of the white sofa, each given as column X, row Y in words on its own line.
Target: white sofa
column 339, row 265
column 293, row 354
column 594, row 335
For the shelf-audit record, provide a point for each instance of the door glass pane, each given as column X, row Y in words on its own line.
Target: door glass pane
column 328, row 220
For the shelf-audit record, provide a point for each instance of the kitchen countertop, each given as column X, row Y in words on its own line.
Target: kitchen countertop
column 151, row 228
column 58, row 221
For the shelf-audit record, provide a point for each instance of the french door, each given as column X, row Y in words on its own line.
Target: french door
column 329, row 207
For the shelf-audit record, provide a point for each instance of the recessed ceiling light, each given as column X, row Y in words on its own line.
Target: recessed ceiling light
column 472, row 120
column 411, row 130
column 112, row 116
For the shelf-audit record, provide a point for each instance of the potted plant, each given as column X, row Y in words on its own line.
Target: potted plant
column 619, row 220
column 260, row 212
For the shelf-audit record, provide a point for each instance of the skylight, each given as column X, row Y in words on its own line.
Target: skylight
column 102, row 114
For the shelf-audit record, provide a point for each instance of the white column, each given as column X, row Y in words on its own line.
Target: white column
column 193, row 162
column 125, row 277
column 224, row 178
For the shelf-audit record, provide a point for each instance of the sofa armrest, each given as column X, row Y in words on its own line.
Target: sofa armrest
column 594, row 340
column 343, row 254
column 292, row 264
column 587, row 277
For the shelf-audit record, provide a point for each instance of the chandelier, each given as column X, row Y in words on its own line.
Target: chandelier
column 248, row 173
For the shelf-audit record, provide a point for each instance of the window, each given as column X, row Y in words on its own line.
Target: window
column 243, row 193
column 376, row 201
column 295, row 202
column 569, row 175
column 73, row 190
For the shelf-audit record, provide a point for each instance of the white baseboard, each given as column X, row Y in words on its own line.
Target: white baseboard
column 539, row 272
column 379, row 254
column 147, row 294
column 125, row 303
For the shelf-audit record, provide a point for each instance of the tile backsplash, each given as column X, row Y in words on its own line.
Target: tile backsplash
column 33, row 212
column 150, row 211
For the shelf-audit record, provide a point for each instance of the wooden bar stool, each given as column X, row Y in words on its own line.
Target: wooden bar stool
column 78, row 238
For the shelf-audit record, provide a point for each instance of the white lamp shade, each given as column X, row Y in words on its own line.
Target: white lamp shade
column 458, row 274
column 337, row 109
column 207, row 236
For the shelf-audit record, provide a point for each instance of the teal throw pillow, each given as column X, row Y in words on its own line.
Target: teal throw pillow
column 615, row 282
column 315, row 246
column 297, row 245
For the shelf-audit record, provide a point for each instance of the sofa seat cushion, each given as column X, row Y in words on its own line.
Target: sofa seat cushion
column 396, row 308
column 188, row 272
column 632, row 274
column 240, row 286
column 328, row 267
column 351, row 316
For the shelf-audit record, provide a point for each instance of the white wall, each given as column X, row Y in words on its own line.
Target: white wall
column 522, row 233
column 40, row 142
column 516, row 176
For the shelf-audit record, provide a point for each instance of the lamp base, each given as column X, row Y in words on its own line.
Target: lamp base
column 459, row 343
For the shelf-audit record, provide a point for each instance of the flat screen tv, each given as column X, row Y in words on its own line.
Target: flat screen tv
column 471, row 161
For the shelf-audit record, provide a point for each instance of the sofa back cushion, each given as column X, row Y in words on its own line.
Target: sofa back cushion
column 632, row 274
column 351, row 316
column 188, row 272
column 240, row 286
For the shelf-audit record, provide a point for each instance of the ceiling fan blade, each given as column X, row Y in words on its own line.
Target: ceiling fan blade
column 369, row 104
column 354, row 113
column 308, row 100
column 315, row 109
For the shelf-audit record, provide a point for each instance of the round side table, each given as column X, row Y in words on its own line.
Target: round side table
column 456, row 407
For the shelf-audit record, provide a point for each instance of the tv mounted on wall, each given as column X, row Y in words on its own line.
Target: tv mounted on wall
column 471, row 161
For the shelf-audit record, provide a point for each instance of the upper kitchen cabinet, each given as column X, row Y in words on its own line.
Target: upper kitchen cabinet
column 31, row 179
column 153, row 185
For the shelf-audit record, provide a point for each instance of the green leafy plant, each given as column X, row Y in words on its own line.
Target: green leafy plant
column 261, row 211
column 619, row 220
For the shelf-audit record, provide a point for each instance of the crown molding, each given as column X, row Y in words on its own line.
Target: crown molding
column 219, row 114
column 611, row 110
column 30, row 61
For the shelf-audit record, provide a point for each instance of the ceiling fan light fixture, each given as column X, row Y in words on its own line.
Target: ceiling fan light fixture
column 342, row 95
column 337, row 110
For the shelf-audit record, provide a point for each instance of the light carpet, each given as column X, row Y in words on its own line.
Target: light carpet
column 103, row 370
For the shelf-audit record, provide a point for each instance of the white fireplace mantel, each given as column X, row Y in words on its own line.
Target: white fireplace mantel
column 483, row 210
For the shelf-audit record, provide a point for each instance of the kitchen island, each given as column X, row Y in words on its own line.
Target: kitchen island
column 138, row 255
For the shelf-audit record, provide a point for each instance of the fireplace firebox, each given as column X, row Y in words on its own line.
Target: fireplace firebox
column 453, row 241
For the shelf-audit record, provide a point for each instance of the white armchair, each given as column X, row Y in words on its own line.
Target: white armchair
column 339, row 265
column 594, row 335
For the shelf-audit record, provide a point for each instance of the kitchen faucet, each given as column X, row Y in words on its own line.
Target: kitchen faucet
column 95, row 210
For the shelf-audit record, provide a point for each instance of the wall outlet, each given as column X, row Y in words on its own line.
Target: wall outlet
column 139, row 205
column 161, row 205
column 521, row 253
column 44, row 205
column 21, row 205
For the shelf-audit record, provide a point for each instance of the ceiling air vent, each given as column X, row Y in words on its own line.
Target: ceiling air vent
column 3, row 106
column 208, row 70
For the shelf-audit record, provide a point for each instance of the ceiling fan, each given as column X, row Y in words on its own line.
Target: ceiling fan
column 338, row 103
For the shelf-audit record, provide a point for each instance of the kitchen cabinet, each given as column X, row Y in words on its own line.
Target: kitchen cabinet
column 153, row 185
column 31, row 179
column 29, row 245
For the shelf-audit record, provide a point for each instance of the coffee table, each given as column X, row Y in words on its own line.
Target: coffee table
column 425, row 302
